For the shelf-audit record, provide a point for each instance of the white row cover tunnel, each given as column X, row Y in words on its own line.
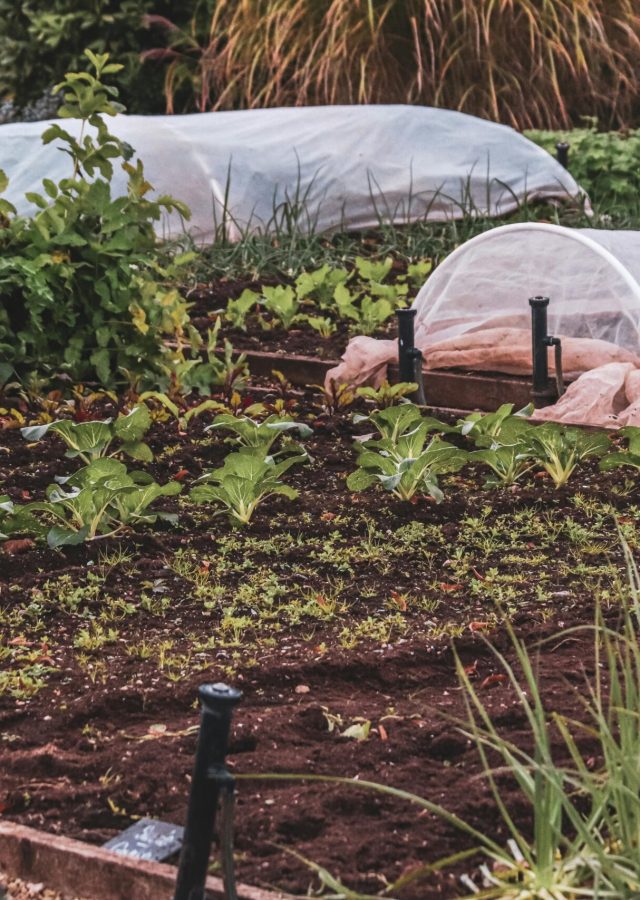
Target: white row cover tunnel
column 473, row 314
column 311, row 168
column 592, row 278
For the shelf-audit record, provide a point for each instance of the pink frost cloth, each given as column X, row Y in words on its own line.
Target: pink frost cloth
column 606, row 390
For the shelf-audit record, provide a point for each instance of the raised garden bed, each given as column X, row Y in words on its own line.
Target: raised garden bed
column 331, row 612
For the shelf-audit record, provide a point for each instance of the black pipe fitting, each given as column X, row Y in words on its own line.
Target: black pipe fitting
column 210, row 779
column 409, row 357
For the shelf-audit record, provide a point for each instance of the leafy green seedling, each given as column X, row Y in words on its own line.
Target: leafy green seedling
column 322, row 324
column 628, row 457
column 184, row 374
column 101, row 499
column 282, row 304
column 245, row 480
column 406, row 476
column 502, row 441
column 387, row 394
column 401, row 460
column 373, row 270
column 16, row 520
column 237, row 310
column 319, row 286
column 559, row 448
column 417, row 272
column 397, row 422
column 260, row 435
column 484, row 428
column 508, row 462
column 93, row 440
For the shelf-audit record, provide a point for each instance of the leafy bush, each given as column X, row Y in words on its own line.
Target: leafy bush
column 81, row 282
column 41, row 40
column 606, row 164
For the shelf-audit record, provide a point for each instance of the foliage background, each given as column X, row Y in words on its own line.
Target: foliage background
column 41, row 40
column 530, row 63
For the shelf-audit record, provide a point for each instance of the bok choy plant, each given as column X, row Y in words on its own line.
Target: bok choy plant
column 93, row 440
column 261, row 436
column 16, row 520
column 101, row 500
column 560, row 448
column 628, row 457
column 246, row 479
column 501, row 441
column 403, row 460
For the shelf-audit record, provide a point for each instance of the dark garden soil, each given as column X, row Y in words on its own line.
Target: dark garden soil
column 330, row 611
column 210, row 300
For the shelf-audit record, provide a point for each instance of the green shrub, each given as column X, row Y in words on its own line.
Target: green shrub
column 81, row 284
column 605, row 164
column 41, row 40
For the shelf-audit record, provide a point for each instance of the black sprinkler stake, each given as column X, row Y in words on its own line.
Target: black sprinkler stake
column 409, row 357
column 209, row 780
column 543, row 392
column 562, row 154
column 406, row 343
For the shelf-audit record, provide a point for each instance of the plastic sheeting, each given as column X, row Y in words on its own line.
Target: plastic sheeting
column 316, row 168
column 591, row 277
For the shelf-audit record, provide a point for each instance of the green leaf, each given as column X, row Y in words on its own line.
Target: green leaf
column 131, row 428
column 59, row 536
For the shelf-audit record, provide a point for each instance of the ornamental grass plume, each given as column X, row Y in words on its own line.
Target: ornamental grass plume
column 529, row 63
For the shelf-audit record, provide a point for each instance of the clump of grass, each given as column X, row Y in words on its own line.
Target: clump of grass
column 289, row 252
column 533, row 63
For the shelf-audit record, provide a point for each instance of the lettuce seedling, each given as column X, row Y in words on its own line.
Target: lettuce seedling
column 237, row 310
column 319, row 286
column 281, row 303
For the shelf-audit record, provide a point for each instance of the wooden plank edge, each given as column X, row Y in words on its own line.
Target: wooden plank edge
column 88, row 872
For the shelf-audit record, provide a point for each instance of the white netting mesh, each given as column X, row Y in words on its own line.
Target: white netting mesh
column 590, row 276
